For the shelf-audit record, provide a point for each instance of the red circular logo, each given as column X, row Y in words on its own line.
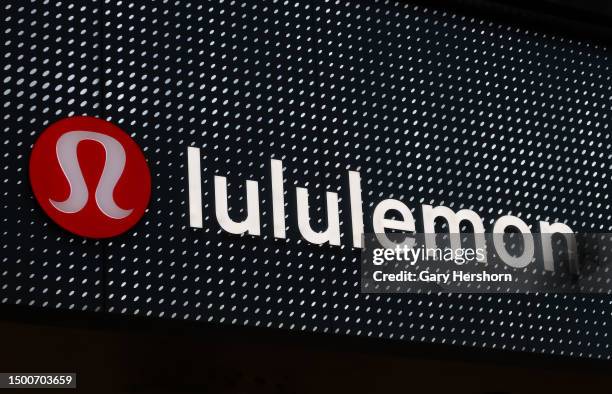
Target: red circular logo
column 90, row 177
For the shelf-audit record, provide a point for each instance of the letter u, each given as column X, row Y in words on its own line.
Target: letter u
column 332, row 234
column 251, row 223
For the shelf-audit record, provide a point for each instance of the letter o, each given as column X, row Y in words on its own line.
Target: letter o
column 499, row 229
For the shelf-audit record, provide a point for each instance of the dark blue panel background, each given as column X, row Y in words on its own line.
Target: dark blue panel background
column 431, row 107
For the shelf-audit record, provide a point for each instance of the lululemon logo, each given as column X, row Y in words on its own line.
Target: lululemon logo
column 90, row 177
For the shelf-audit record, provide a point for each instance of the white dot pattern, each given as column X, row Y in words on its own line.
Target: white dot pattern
column 50, row 69
column 431, row 107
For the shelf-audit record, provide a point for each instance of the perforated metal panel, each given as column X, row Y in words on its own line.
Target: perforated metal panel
column 431, row 108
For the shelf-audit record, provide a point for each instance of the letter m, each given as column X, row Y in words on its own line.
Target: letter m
column 453, row 219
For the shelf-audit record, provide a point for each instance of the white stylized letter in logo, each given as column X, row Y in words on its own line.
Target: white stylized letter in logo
column 66, row 150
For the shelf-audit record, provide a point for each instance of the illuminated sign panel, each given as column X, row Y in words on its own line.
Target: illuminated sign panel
column 430, row 108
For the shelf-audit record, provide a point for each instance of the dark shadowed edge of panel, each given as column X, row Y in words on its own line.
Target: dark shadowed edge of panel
column 570, row 21
column 220, row 333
